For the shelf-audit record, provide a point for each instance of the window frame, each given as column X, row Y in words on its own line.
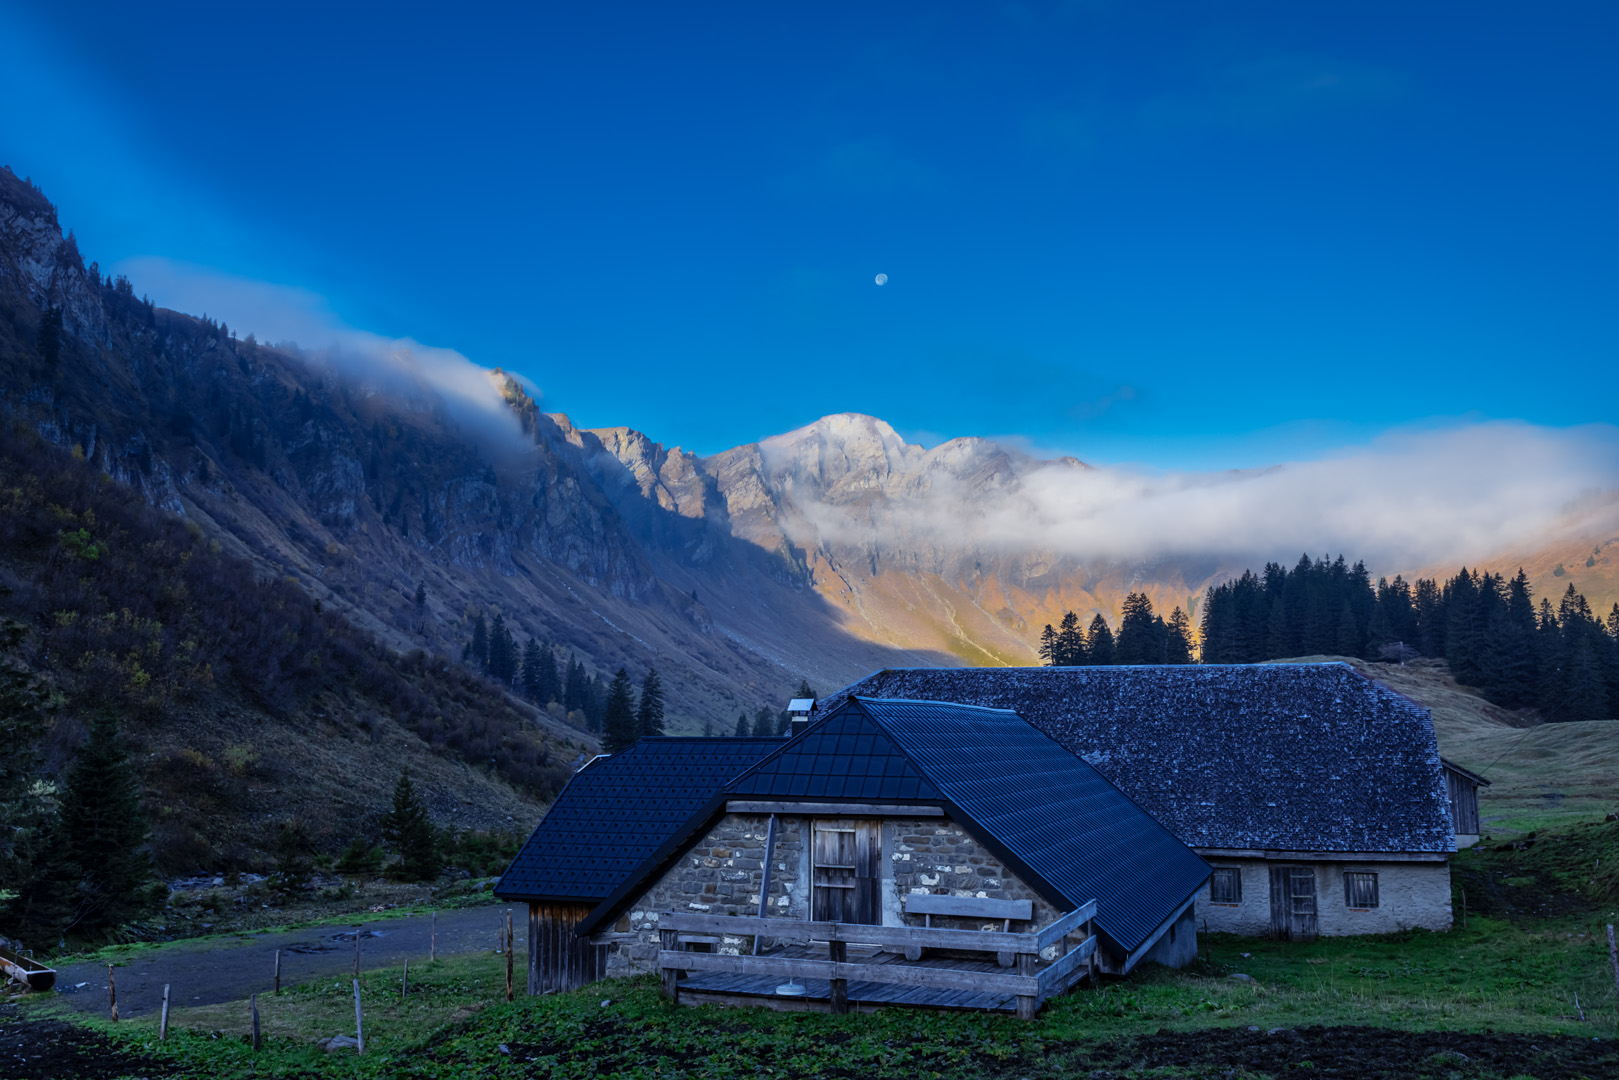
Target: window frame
column 1232, row 874
column 1355, row 882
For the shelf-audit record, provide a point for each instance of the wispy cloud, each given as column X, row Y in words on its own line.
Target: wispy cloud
column 302, row 320
column 1405, row 500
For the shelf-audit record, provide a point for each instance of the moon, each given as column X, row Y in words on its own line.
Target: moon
column 882, row 279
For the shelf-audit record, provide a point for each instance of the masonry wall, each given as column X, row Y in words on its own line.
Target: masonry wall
column 722, row 874
column 1410, row 895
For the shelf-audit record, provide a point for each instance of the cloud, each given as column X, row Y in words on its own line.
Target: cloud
column 1405, row 500
column 301, row 320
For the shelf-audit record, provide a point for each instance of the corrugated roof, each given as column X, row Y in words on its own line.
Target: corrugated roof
column 618, row 810
column 1289, row 757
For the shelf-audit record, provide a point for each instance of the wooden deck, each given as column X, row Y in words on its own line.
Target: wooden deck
column 861, row 966
column 719, row 988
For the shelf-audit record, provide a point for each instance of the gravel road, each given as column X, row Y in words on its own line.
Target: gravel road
column 231, row 968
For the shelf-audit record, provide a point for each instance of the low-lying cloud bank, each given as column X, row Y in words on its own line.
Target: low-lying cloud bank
column 1408, row 499
column 300, row 320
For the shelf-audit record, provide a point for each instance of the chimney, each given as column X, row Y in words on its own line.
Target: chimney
column 799, row 709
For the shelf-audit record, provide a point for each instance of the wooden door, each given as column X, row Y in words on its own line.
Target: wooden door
column 847, row 872
column 1292, row 902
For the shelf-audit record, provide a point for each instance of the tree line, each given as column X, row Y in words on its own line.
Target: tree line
column 1562, row 659
column 1144, row 637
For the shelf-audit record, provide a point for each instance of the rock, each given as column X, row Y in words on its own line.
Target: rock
column 1612, row 817
column 504, row 1049
column 606, row 1002
column 340, row 1042
column 1241, row 977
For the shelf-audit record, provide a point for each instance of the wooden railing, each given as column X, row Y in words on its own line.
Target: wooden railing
column 1029, row 986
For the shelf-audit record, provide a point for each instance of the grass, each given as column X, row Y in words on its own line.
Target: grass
column 1496, row 975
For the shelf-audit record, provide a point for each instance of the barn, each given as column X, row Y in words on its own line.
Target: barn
column 1316, row 795
column 900, row 835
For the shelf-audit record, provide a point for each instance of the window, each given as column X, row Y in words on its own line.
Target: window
column 1360, row 889
column 1225, row 887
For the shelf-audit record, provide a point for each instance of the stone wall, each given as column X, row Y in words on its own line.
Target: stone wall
column 1410, row 895
column 937, row 856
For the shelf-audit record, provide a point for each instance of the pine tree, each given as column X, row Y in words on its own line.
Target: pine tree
column 1048, row 646
column 575, row 694
column 421, row 593
column 24, row 812
column 620, row 728
column 805, row 692
column 502, row 666
column 409, row 834
column 532, row 678
column 1178, row 642
column 743, row 728
column 764, row 723
column 1070, row 647
column 479, row 649
column 649, row 717
column 50, row 337
column 97, row 874
column 1135, row 641
column 1099, row 642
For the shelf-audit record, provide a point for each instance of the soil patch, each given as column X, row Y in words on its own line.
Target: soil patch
column 53, row 1050
column 1364, row 1053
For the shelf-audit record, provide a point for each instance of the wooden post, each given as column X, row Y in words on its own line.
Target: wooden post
column 359, row 1022
column 432, row 937
column 669, row 941
column 278, row 972
column 1027, row 1004
column 356, row 953
column 404, row 981
column 1090, row 931
column 838, row 953
column 253, row 1006
column 764, row 883
column 1613, row 954
column 112, row 995
column 163, row 1017
column 509, row 938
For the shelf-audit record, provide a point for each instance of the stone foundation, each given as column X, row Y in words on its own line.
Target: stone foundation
column 1410, row 895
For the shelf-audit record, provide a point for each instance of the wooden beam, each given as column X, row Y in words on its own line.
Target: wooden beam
column 1054, row 979
column 1068, row 924
column 825, row 809
column 855, row 933
column 968, row 907
column 888, row 974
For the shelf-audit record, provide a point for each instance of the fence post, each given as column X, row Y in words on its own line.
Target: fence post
column 668, row 941
column 432, row 937
column 1613, row 954
column 163, row 1018
column 838, row 953
column 404, row 981
column 253, row 1005
column 278, row 972
column 356, row 953
column 112, row 995
column 509, row 949
column 359, row 1022
column 1027, row 1005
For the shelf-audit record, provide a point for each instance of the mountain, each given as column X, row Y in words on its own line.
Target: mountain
column 357, row 475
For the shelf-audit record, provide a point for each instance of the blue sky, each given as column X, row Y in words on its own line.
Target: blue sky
column 1184, row 235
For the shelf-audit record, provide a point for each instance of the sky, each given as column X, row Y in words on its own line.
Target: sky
column 1177, row 235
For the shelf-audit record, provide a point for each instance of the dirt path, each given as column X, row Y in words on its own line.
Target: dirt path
column 229, row 969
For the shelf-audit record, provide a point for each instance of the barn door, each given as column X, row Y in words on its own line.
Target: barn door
column 1292, row 902
column 847, row 871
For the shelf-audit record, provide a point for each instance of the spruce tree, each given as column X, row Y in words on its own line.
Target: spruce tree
column 1070, row 646
column 533, row 678
column 764, row 723
column 24, row 813
column 1136, row 638
column 743, row 728
column 1099, row 642
column 805, row 692
column 1048, row 646
column 1178, row 643
column 479, row 649
column 97, row 874
column 620, row 728
column 649, row 717
column 408, row 832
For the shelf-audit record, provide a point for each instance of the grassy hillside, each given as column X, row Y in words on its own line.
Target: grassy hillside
column 1540, row 774
column 246, row 703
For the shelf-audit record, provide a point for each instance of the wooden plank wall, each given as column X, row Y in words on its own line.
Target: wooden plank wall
column 558, row 959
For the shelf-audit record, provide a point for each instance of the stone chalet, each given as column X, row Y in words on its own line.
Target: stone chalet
column 883, row 814
column 1317, row 795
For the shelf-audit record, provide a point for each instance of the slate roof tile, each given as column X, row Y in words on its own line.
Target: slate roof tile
column 1291, row 757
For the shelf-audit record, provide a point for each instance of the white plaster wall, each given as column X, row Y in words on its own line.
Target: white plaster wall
column 1410, row 895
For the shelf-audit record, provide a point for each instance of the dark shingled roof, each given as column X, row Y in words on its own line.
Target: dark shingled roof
column 1060, row 827
column 1279, row 757
column 618, row 810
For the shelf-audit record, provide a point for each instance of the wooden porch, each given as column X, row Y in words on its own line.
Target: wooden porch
column 847, row 967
